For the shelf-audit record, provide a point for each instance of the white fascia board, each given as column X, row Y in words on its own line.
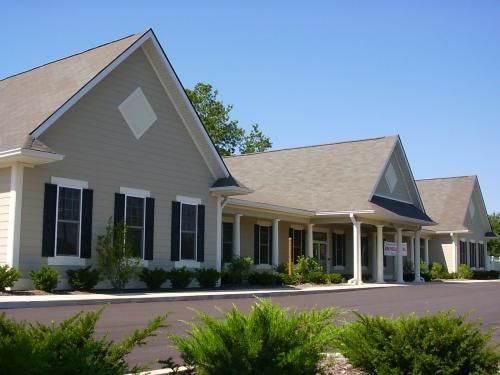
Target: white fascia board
column 346, row 213
column 29, row 157
column 230, row 190
column 452, row 231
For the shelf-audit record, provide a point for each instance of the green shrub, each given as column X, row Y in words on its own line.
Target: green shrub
column 306, row 265
column 424, row 267
column 261, row 278
column 238, row 270
column 282, row 268
column 438, row 271
column 269, row 340
column 83, row 278
column 426, row 276
column 286, row 279
column 434, row 344
column 207, row 277
column 8, row 277
column 153, row 279
column 464, row 272
column 317, row 277
column 336, row 278
column 486, row 275
column 449, row 276
column 115, row 256
column 46, row 278
column 66, row 348
column 180, row 278
column 408, row 266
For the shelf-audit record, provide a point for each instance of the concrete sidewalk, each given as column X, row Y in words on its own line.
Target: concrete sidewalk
column 16, row 302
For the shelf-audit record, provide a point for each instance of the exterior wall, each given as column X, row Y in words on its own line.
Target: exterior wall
column 100, row 148
column 4, row 212
column 441, row 250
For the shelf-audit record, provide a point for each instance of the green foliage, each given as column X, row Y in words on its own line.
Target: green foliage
column 424, row 267
column 435, row 344
column 255, row 141
column 46, row 278
column 464, row 272
column 207, row 277
column 317, row 277
column 153, row 279
column 486, row 275
column 225, row 132
column 8, row 277
column 116, row 262
column 336, row 278
column 261, row 278
column 238, row 270
column 66, row 348
column 494, row 245
column 286, row 279
column 306, row 265
column 180, row 278
column 282, row 268
column 268, row 340
column 408, row 266
column 83, row 278
column 438, row 271
column 426, row 276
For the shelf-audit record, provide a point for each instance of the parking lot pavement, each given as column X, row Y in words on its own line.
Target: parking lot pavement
column 481, row 300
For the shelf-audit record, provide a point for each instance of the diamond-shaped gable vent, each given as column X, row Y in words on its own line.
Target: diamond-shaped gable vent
column 137, row 113
column 391, row 178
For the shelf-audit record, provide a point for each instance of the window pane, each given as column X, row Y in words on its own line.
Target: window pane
column 319, row 236
column 134, row 240
column 188, row 217
column 135, row 212
column 67, row 238
column 264, row 245
column 69, row 204
column 188, row 245
column 227, row 242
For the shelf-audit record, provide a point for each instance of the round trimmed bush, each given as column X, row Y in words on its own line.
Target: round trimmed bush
column 180, row 278
column 46, row 278
column 207, row 277
column 8, row 277
column 153, row 279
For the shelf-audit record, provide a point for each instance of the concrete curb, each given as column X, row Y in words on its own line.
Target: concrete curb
column 113, row 299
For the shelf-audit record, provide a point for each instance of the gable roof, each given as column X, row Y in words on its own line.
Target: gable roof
column 32, row 101
column 335, row 177
column 447, row 200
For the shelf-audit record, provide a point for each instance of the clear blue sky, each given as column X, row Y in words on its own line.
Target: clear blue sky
column 311, row 71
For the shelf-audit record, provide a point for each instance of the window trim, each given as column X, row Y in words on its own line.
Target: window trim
column 68, row 260
column 189, row 263
column 337, row 266
column 269, row 250
column 137, row 193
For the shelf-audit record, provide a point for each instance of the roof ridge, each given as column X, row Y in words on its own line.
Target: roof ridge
column 73, row 55
column 445, row 178
column 311, row 146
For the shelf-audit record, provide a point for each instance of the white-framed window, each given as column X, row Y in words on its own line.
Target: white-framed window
column 68, row 216
column 472, row 253
column 463, row 252
column 480, row 254
column 227, row 241
column 264, row 243
column 339, row 250
column 135, row 219
column 364, row 251
column 188, row 228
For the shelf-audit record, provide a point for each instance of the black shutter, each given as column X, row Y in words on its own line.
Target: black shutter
column 149, row 229
column 49, row 220
column 200, row 242
column 256, row 244
column 119, row 215
column 86, row 235
column 175, row 231
column 303, row 245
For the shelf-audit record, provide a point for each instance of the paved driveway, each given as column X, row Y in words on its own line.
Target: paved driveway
column 481, row 299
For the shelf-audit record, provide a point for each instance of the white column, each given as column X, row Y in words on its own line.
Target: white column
column 275, row 250
column 426, row 251
column 356, row 247
column 14, row 223
column 237, row 236
column 373, row 254
column 454, row 257
column 309, row 244
column 218, row 244
column 411, row 250
column 380, row 254
column 417, row 256
column 399, row 256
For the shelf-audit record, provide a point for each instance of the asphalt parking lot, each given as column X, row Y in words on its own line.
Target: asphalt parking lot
column 481, row 300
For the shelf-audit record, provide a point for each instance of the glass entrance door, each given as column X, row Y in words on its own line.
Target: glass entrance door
column 320, row 248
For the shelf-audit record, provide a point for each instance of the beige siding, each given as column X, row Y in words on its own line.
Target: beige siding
column 441, row 250
column 4, row 212
column 100, row 148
